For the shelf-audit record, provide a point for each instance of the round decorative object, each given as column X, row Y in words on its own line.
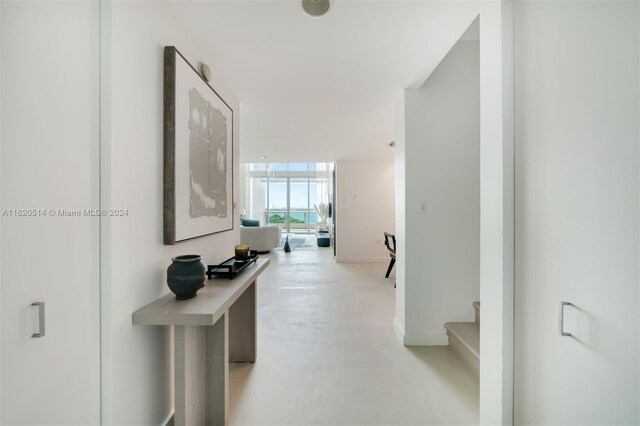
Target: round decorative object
column 205, row 72
column 186, row 275
column 243, row 252
column 316, row 8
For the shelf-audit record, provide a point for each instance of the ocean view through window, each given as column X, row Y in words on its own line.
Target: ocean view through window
column 287, row 194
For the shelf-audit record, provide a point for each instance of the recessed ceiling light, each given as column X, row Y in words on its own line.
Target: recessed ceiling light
column 263, row 157
column 316, row 8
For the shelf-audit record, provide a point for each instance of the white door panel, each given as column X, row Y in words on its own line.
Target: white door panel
column 49, row 161
column 577, row 212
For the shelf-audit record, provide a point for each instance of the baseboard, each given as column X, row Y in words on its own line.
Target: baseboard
column 170, row 420
column 419, row 339
column 399, row 330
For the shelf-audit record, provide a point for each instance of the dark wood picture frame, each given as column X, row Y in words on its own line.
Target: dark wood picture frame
column 210, row 210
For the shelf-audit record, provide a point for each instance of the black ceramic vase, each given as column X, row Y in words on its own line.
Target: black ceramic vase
column 186, row 275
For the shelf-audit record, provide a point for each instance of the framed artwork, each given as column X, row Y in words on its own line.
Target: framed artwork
column 198, row 154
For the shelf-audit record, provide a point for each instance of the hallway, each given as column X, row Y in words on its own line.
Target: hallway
column 328, row 354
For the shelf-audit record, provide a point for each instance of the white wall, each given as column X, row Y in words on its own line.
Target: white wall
column 496, row 212
column 577, row 207
column 442, row 169
column 2, row 38
column 258, row 203
column 401, row 202
column 365, row 209
column 244, row 188
column 137, row 363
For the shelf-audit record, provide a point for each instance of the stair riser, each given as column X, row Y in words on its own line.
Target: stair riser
column 467, row 357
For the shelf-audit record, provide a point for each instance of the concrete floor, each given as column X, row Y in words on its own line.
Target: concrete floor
column 328, row 354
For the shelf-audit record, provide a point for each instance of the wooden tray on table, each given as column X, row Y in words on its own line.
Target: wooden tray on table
column 231, row 267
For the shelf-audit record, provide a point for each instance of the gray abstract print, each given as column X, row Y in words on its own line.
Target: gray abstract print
column 207, row 158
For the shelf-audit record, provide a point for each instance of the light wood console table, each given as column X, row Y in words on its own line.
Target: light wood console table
column 211, row 330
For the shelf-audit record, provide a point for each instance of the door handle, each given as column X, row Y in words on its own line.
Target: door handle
column 562, row 305
column 41, row 318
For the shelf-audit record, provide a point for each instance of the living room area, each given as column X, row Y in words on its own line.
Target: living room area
column 340, row 157
column 291, row 162
column 287, row 203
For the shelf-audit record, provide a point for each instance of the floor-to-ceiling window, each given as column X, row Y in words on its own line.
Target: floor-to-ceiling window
column 294, row 196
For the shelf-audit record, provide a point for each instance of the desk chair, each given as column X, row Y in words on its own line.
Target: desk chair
column 390, row 242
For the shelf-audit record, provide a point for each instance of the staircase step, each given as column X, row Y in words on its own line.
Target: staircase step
column 464, row 339
column 476, row 306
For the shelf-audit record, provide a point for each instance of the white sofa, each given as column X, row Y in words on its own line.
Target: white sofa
column 261, row 238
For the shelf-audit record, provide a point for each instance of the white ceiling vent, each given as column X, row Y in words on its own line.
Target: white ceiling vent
column 316, row 8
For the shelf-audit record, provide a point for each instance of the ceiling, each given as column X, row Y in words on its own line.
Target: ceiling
column 345, row 66
column 316, row 132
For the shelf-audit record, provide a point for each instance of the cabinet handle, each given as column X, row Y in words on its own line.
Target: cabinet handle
column 41, row 329
column 562, row 305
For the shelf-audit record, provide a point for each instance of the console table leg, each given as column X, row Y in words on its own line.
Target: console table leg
column 218, row 372
column 242, row 327
column 201, row 374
